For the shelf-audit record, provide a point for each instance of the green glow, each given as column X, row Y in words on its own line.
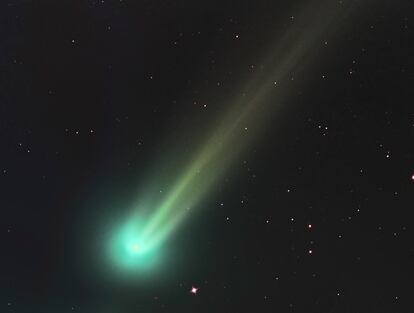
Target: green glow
column 137, row 244
column 128, row 249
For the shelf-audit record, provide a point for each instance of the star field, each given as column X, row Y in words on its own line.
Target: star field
column 203, row 156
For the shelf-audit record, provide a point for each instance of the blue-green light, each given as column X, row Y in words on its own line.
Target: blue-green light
column 129, row 251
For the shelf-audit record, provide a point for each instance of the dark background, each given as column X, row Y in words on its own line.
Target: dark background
column 95, row 95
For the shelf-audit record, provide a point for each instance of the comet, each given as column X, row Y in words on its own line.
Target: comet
column 137, row 244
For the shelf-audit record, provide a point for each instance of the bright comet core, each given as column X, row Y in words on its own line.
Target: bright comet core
column 128, row 251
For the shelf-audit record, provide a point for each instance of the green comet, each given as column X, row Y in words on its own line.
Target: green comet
column 137, row 245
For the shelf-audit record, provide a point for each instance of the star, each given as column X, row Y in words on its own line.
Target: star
column 194, row 290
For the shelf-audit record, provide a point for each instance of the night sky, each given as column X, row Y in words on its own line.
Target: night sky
column 206, row 156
